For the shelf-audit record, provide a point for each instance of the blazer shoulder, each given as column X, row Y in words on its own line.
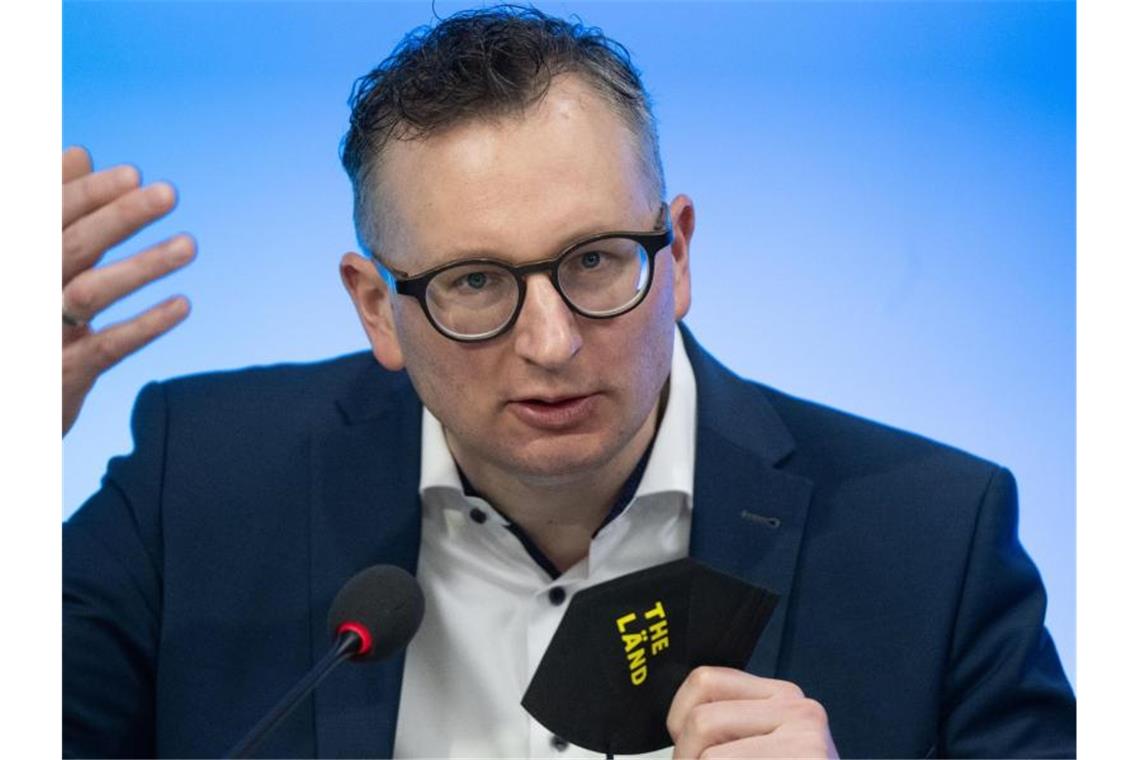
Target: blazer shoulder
column 815, row 440
column 298, row 382
column 280, row 376
column 283, row 396
column 847, row 445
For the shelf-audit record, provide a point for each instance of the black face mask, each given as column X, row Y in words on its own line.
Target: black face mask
column 623, row 648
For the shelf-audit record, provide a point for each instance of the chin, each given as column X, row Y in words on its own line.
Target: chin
column 559, row 459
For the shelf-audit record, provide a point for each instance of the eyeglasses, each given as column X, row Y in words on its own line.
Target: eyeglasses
column 600, row 277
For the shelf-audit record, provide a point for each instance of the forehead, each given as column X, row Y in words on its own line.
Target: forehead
column 514, row 188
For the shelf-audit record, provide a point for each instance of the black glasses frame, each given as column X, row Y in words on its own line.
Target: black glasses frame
column 417, row 285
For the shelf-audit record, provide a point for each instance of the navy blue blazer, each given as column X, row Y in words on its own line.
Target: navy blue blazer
column 197, row 579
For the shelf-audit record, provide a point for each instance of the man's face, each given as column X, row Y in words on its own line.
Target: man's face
column 559, row 395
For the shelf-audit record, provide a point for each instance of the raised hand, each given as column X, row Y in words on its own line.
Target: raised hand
column 101, row 209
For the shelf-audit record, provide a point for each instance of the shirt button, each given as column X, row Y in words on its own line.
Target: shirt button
column 478, row 515
column 557, row 596
column 559, row 743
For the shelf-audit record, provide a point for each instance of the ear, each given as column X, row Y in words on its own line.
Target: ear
column 369, row 293
column 684, row 223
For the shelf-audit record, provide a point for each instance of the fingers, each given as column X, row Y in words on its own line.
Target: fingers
column 93, row 290
column 91, row 191
column 799, row 745
column 85, row 240
column 76, row 163
column 712, row 684
column 85, row 359
column 773, row 727
column 721, row 712
column 101, row 209
column 714, row 724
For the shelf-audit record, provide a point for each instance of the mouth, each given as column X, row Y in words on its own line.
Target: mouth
column 554, row 412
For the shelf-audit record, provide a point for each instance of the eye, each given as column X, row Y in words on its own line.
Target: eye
column 472, row 280
column 590, row 259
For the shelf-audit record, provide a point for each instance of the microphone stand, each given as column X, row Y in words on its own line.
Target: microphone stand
column 346, row 646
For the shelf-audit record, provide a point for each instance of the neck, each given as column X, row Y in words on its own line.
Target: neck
column 561, row 518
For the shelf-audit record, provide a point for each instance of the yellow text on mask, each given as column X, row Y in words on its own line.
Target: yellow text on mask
column 653, row 630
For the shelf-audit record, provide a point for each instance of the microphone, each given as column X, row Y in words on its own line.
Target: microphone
column 375, row 614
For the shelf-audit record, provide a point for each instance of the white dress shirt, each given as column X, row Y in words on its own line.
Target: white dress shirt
column 492, row 610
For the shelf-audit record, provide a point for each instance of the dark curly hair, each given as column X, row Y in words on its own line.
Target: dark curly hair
column 485, row 63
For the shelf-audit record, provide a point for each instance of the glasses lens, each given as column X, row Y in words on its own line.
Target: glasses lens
column 605, row 276
column 472, row 300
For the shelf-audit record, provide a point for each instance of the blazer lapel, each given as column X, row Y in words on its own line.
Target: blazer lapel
column 748, row 514
column 365, row 510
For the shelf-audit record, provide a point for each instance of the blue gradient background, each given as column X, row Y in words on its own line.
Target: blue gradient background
column 885, row 197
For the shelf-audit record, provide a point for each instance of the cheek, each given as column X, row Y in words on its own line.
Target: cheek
column 658, row 333
column 445, row 374
column 426, row 365
column 645, row 350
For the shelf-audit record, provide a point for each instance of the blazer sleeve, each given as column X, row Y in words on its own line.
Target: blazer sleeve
column 112, row 599
column 1005, row 693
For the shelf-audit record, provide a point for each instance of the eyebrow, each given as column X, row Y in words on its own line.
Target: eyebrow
column 566, row 242
column 465, row 254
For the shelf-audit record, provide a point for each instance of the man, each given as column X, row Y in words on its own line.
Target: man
column 538, row 423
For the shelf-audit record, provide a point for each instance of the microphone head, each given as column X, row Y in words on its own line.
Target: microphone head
column 384, row 605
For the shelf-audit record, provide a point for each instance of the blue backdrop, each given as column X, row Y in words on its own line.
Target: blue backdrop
column 885, row 197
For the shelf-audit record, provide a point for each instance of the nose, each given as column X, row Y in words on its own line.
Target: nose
column 546, row 333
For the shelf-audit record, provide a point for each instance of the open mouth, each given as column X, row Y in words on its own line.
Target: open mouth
column 554, row 413
column 556, row 403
